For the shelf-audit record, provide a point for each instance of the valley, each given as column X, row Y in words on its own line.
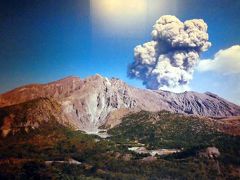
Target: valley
column 40, row 138
column 77, row 154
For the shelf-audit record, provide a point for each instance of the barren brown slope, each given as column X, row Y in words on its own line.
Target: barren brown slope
column 57, row 89
column 229, row 125
column 27, row 116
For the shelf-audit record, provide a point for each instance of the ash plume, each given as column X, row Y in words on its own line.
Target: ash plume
column 168, row 61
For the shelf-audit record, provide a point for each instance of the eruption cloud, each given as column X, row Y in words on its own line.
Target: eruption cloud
column 168, row 61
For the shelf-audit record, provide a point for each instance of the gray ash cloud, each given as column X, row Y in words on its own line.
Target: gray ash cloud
column 168, row 61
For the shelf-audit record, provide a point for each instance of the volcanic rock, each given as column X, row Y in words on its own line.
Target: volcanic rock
column 98, row 101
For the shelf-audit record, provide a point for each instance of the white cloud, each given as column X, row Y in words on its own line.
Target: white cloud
column 225, row 61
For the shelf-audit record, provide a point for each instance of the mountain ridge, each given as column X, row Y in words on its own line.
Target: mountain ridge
column 90, row 102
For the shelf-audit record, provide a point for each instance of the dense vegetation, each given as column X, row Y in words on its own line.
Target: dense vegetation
column 24, row 155
column 168, row 130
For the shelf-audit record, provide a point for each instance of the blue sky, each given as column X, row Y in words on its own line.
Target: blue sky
column 41, row 41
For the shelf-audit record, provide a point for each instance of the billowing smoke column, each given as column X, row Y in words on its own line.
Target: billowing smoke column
column 168, row 61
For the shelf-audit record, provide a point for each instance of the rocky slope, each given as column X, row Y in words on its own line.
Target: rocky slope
column 96, row 101
column 24, row 117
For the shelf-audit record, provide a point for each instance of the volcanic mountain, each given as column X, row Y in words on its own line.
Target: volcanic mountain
column 87, row 104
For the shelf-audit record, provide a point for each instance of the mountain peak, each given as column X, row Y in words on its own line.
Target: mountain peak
column 90, row 102
column 95, row 77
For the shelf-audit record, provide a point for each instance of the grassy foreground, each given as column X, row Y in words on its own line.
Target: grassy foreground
column 24, row 155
